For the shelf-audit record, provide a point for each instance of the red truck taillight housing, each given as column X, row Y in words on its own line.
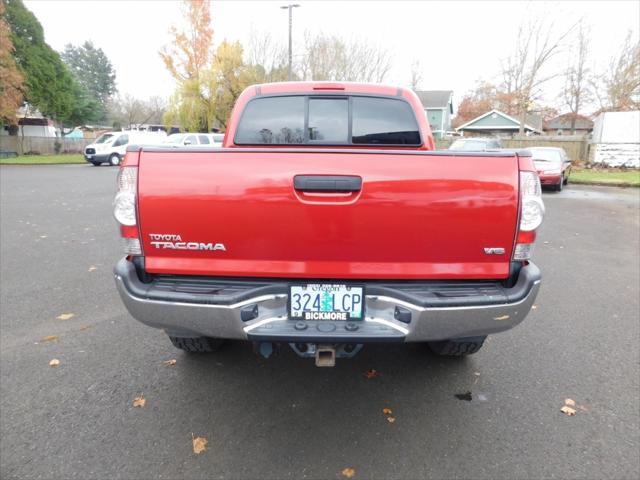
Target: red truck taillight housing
column 531, row 214
column 125, row 209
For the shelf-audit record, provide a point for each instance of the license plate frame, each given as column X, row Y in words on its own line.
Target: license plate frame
column 342, row 289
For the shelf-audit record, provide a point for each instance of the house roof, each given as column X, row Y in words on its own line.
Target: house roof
column 563, row 122
column 435, row 98
column 502, row 121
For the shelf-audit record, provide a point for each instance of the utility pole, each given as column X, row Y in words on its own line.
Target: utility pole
column 290, row 7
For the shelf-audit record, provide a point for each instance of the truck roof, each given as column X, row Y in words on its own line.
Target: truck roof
column 316, row 86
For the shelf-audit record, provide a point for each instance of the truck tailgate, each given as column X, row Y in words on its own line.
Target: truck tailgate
column 417, row 215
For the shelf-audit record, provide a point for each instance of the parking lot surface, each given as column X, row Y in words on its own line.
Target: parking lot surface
column 283, row 417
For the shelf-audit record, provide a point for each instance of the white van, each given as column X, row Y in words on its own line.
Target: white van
column 111, row 146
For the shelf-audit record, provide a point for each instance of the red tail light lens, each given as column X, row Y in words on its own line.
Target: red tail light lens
column 531, row 214
column 125, row 209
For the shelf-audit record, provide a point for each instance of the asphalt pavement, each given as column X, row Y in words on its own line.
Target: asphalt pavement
column 283, row 417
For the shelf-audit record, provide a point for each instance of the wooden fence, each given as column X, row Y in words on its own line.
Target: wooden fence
column 42, row 145
column 577, row 148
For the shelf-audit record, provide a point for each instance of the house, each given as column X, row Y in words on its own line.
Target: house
column 495, row 123
column 30, row 127
column 561, row 125
column 616, row 139
column 438, row 107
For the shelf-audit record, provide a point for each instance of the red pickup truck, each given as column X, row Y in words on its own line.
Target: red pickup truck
column 328, row 221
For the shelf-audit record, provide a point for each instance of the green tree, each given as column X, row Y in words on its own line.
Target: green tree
column 48, row 85
column 92, row 68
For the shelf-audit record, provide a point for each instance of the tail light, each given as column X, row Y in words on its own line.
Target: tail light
column 125, row 209
column 531, row 214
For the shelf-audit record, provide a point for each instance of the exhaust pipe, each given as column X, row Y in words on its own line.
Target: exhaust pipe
column 325, row 356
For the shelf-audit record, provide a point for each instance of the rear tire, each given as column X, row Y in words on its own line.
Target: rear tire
column 197, row 344
column 96, row 164
column 560, row 185
column 566, row 180
column 459, row 347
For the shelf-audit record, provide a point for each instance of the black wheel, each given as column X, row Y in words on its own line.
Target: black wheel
column 458, row 347
column 96, row 164
column 559, row 186
column 196, row 344
column 114, row 160
column 566, row 180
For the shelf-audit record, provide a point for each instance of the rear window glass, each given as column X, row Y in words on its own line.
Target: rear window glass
column 328, row 120
column 278, row 120
column 204, row 140
column 382, row 121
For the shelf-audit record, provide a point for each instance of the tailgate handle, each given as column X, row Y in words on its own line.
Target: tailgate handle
column 327, row 183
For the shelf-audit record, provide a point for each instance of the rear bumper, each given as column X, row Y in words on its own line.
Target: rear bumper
column 550, row 179
column 257, row 311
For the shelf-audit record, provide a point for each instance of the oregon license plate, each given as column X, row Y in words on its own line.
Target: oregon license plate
column 326, row 301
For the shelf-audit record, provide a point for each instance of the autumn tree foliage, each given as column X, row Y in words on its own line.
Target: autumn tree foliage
column 483, row 98
column 210, row 80
column 11, row 80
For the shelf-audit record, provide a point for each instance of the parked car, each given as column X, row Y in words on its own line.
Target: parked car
column 205, row 140
column 327, row 222
column 476, row 144
column 553, row 166
column 111, row 146
column 217, row 139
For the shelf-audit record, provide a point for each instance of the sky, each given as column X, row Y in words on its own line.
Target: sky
column 455, row 42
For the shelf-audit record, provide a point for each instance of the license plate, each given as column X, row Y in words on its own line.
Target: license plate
column 325, row 301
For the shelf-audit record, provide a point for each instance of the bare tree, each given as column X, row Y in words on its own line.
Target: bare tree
column 130, row 111
column 416, row 75
column 333, row 58
column 618, row 88
column 267, row 57
column 577, row 91
column 524, row 70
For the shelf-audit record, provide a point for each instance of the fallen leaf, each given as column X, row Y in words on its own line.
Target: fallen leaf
column 369, row 374
column 92, row 268
column 466, row 396
column 570, row 402
column 568, row 411
column 43, row 236
column 502, row 317
column 199, row 444
column 50, row 338
column 477, row 374
column 348, row 472
column 84, row 327
column 387, row 411
column 170, row 362
column 391, row 419
column 54, row 362
column 139, row 401
column 533, row 307
column 65, row 316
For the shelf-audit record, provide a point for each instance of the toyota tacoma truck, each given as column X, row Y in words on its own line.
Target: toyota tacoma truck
column 327, row 221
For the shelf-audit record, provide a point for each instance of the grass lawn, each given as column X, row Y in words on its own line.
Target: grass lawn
column 43, row 159
column 628, row 178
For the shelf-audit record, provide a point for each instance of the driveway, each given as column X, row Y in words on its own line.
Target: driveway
column 283, row 417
